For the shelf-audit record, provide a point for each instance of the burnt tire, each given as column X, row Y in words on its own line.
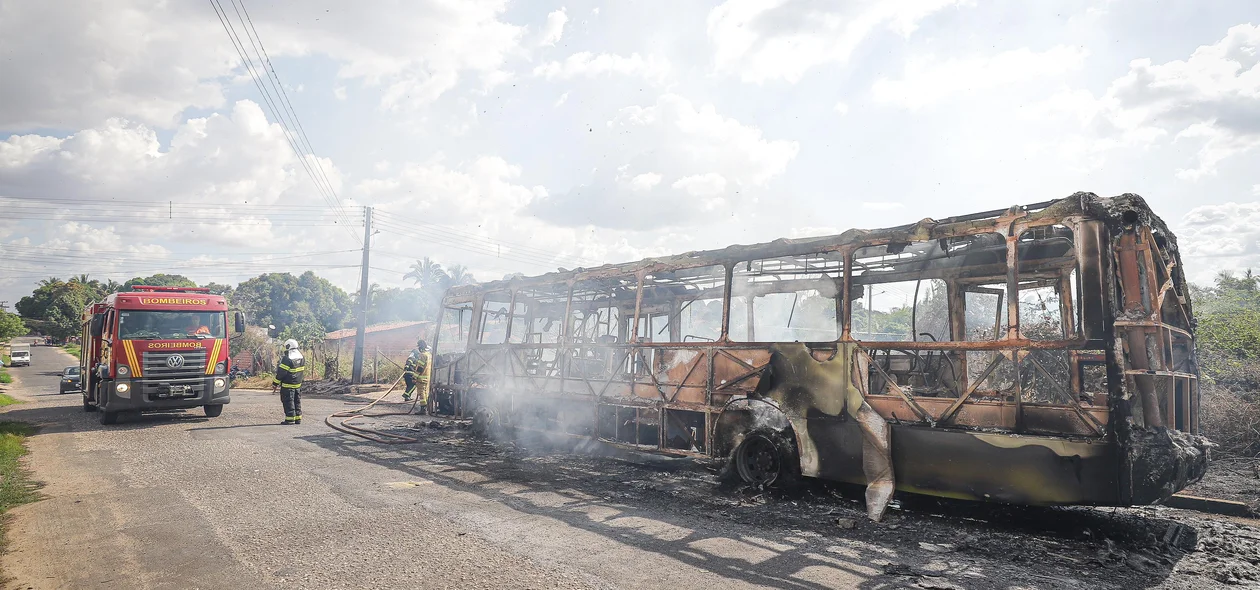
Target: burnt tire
column 108, row 418
column 213, row 410
column 766, row 459
column 485, row 423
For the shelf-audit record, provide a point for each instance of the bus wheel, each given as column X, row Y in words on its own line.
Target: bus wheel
column 485, row 422
column 108, row 418
column 213, row 410
column 765, row 458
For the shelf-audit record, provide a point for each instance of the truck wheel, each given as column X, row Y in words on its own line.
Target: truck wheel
column 87, row 405
column 766, row 458
column 108, row 418
column 213, row 410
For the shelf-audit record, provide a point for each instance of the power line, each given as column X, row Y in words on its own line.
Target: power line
column 239, row 46
column 153, row 202
column 293, row 113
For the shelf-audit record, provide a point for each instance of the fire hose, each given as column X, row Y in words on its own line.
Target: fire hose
column 367, row 433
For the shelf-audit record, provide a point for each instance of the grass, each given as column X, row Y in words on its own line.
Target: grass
column 260, row 381
column 16, row 487
column 8, row 400
column 73, row 349
column 5, row 377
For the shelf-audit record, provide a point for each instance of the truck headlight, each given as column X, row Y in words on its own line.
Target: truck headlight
column 123, row 370
column 122, row 388
column 220, row 368
column 219, row 384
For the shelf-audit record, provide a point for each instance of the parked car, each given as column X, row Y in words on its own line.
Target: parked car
column 70, row 380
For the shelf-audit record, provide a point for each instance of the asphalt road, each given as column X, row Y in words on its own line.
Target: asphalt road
column 239, row 501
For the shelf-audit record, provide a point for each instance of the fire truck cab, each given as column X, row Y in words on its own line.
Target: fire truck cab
column 155, row 349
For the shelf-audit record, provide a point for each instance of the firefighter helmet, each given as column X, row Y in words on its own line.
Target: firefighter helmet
column 290, row 344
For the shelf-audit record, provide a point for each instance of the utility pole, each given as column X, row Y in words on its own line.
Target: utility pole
column 356, row 373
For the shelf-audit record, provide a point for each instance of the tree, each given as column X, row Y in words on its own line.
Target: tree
column 394, row 305
column 282, row 300
column 218, row 289
column 458, row 275
column 160, row 280
column 11, row 326
column 56, row 306
column 1228, row 331
column 426, row 273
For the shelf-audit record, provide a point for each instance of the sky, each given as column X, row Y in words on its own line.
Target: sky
column 529, row 136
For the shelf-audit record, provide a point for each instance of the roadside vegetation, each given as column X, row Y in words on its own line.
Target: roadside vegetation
column 1228, row 336
column 5, row 377
column 259, row 381
column 16, row 487
column 73, row 349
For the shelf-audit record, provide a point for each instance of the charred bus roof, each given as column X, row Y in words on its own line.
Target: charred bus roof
column 1122, row 210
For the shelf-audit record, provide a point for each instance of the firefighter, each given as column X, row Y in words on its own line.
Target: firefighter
column 289, row 381
column 416, row 374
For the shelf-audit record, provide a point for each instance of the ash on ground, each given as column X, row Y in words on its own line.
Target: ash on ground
column 921, row 543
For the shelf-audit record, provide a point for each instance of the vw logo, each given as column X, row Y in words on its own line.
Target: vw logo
column 175, row 361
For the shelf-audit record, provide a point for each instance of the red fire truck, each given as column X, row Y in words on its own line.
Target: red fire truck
column 156, row 348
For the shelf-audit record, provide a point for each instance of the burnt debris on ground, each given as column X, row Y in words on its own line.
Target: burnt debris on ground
column 1152, row 546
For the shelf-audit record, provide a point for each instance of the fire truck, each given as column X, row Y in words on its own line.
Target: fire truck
column 156, row 349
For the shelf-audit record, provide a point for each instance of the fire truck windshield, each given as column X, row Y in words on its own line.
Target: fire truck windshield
column 155, row 325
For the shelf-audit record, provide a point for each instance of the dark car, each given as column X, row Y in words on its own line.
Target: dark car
column 70, row 379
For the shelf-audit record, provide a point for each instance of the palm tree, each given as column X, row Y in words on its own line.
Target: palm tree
column 426, row 273
column 459, row 275
column 50, row 282
column 111, row 286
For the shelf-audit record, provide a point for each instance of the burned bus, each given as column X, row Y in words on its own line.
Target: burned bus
column 1040, row 355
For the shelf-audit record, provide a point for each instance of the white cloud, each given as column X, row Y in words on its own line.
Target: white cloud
column 1255, row 189
column 71, row 65
column 554, row 28
column 701, row 185
column 696, row 152
column 1213, row 97
column 484, row 208
column 590, row 65
column 812, row 232
column 1215, row 238
column 931, row 80
column 645, row 181
column 563, row 99
column 216, row 160
column 339, row 92
column 782, row 39
column 841, row 108
column 882, row 205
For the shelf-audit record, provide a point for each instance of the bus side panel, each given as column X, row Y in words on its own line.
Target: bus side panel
column 1000, row 467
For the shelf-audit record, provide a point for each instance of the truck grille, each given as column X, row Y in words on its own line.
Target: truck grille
column 157, row 373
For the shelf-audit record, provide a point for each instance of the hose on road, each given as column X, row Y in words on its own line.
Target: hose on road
column 367, row 433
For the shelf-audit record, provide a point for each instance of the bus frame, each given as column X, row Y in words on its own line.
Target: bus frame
column 1096, row 407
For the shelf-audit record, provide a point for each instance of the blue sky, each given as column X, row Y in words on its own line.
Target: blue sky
column 522, row 136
